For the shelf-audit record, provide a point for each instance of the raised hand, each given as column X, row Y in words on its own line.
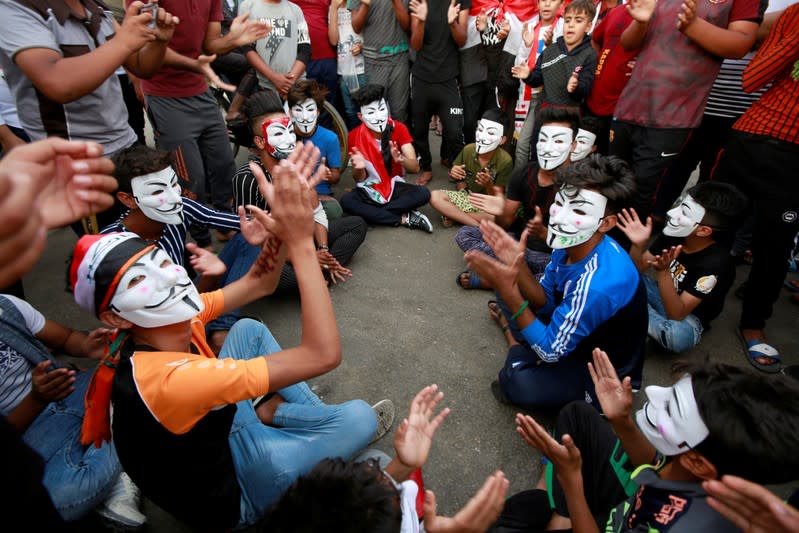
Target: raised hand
column 205, row 262
column 244, row 31
column 96, row 341
column 574, row 79
column 504, row 30
column 663, row 261
column 687, row 14
column 53, row 385
column 505, row 247
column 477, row 515
column 629, row 223
column 291, row 217
column 358, row 161
column 415, row 434
column 418, row 9
column 396, row 153
column 204, row 67
column 615, row 396
column 528, row 35
column 751, row 507
column 251, row 229
column 546, row 35
column 536, row 225
column 641, row 10
column 520, row 71
column 565, row 456
column 493, row 205
column 496, row 273
column 453, row 12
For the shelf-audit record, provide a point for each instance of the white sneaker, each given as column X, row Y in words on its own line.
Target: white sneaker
column 121, row 508
column 384, row 410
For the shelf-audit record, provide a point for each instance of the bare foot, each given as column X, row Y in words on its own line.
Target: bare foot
column 497, row 316
column 425, row 178
column 266, row 411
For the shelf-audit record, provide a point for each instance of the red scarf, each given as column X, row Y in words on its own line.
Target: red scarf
column 378, row 184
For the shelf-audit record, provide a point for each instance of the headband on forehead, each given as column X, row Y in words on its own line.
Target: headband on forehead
column 97, row 265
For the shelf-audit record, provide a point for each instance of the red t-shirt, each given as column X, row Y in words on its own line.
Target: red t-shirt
column 400, row 135
column 187, row 40
column 673, row 75
column 316, row 13
column 612, row 72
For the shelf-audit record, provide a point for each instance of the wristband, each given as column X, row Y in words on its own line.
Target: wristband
column 522, row 307
column 322, row 247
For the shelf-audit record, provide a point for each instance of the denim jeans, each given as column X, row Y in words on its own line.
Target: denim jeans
column 350, row 109
column 268, row 459
column 77, row 477
column 674, row 335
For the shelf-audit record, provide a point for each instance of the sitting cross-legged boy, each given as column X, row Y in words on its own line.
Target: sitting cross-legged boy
column 481, row 167
column 381, row 152
column 305, row 99
column 373, row 493
column 591, row 294
column 618, row 475
column 43, row 401
column 185, row 426
column 530, row 193
column 692, row 261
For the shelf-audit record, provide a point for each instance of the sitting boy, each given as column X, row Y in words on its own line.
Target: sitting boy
column 585, row 143
column 530, row 194
column 590, row 295
column 374, row 493
column 716, row 420
column 305, row 100
column 382, row 151
column 185, row 427
column 481, row 167
column 149, row 188
column 692, row 261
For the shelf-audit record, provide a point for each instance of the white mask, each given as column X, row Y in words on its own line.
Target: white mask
column 158, row 196
column 156, row 292
column 375, row 115
column 488, row 135
column 584, row 142
column 574, row 217
column 305, row 115
column 684, row 218
column 670, row 420
column 554, row 146
column 279, row 137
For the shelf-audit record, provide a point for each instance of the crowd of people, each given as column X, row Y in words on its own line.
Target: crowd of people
column 570, row 130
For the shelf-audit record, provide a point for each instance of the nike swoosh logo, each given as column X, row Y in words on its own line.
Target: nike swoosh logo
column 664, row 154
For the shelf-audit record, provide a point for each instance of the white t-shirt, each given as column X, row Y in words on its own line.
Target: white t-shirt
column 347, row 63
column 15, row 370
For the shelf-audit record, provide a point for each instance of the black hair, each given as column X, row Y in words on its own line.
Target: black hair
column 581, row 6
column 495, row 115
column 566, row 115
column 752, row 419
column 610, row 176
column 370, row 92
column 138, row 160
column 592, row 124
column 725, row 206
column 337, row 495
column 266, row 102
column 367, row 94
column 304, row 89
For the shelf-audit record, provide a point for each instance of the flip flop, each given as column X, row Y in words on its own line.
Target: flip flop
column 496, row 315
column 757, row 348
column 474, row 280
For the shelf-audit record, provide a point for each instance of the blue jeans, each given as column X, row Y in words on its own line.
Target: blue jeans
column 350, row 109
column 268, row 459
column 674, row 335
column 77, row 477
column 238, row 256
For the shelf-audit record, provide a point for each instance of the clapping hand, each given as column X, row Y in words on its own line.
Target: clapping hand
column 564, row 455
column 536, row 225
column 574, row 79
column 631, row 225
column 415, row 434
column 615, row 396
column 205, row 262
column 418, row 9
column 476, row 516
column 663, row 261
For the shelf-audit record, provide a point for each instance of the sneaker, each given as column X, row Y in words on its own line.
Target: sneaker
column 384, row 410
column 121, row 508
column 417, row 220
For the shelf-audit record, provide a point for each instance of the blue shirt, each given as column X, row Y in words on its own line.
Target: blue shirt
column 329, row 147
column 581, row 297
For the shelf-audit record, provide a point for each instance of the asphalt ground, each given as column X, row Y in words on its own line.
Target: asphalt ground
column 405, row 324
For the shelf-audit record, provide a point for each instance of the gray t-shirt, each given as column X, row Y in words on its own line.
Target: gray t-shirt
column 382, row 34
column 99, row 116
column 278, row 49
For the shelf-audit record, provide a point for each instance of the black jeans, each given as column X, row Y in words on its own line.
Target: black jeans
column 442, row 99
column 765, row 170
column 406, row 198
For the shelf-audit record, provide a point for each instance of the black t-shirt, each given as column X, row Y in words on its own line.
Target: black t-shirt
column 707, row 274
column 523, row 187
column 437, row 61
